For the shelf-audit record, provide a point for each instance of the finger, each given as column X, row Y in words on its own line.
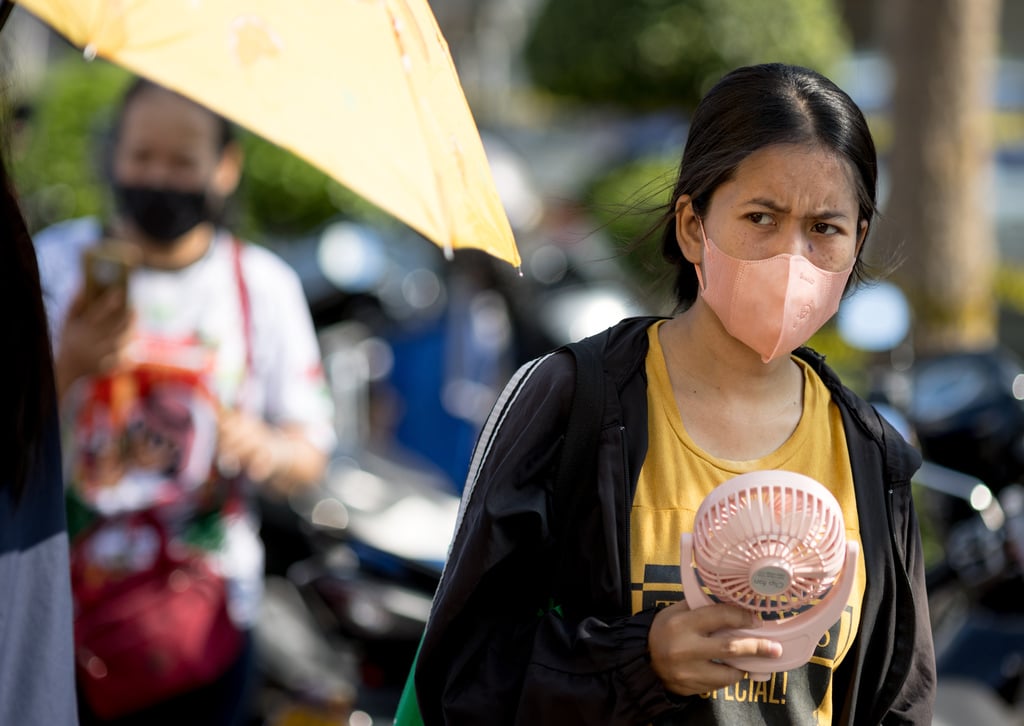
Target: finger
column 231, row 424
column 698, row 675
column 114, row 298
column 122, row 342
column 239, row 437
column 114, row 316
column 228, row 465
column 228, row 438
column 109, row 352
column 111, row 355
column 706, row 678
column 727, row 646
column 713, row 618
column 106, row 363
column 124, row 321
column 715, row 628
column 109, row 311
column 78, row 304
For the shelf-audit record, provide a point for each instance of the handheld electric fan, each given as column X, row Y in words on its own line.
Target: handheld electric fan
column 772, row 542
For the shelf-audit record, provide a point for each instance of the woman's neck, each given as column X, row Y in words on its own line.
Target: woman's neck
column 731, row 404
column 696, row 343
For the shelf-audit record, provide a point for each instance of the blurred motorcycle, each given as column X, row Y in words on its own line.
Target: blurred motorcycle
column 967, row 414
column 353, row 563
column 963, row 410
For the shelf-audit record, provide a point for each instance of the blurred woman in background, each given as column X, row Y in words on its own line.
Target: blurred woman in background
column 228, row 316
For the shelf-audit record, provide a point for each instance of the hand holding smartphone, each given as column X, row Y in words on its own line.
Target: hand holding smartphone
column 108, row 265
column 97, row 327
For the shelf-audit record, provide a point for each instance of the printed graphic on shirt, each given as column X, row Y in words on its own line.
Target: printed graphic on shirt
column 661, row 586
column 269, row 369
column 145, row 434
column 799, row 696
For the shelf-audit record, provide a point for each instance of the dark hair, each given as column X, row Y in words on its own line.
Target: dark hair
column 27, row 398
column 754, row 107
column 224, row 129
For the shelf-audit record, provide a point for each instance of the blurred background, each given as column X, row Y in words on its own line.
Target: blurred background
column 583, row 107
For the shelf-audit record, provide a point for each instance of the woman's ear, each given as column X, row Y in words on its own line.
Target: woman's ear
column 862, row 234
column 228, row 172
column 688, row 236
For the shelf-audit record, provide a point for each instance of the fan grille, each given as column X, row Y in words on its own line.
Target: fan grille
column 774, row 546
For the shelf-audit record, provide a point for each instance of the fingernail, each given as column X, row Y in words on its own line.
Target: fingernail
column 775, row 650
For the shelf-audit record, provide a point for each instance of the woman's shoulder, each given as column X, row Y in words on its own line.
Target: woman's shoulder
column 539, row 378
column 871, row 425
column 551, row 378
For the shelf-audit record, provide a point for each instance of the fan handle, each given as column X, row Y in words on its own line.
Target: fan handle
column 797, row 642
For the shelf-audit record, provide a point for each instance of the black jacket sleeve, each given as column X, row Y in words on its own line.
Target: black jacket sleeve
column 914, row 702
column 494, row 651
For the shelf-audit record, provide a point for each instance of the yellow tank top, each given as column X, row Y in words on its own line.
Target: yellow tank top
column 662, row 512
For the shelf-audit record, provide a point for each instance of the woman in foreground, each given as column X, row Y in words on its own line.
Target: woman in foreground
column 766, row 228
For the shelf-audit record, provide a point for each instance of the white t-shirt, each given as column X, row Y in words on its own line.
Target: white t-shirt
column 203, row 302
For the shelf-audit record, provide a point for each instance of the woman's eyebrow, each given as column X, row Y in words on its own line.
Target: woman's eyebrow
column 782, row 209
column 829, row 214
column 768, row 203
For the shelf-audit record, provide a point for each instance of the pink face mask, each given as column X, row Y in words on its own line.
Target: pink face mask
column 774, row 305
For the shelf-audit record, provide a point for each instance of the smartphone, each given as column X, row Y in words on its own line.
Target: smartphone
column 108, row 265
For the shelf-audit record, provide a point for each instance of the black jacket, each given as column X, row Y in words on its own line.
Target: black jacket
column 495, row 653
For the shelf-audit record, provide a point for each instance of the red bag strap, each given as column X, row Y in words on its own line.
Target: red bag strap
column 243, row 299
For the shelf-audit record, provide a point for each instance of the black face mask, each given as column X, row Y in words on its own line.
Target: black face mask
column 162, row 214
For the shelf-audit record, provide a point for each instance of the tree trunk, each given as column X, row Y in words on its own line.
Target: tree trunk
column 938, row 218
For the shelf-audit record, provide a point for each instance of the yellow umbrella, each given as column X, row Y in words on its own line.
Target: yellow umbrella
column 363, row 89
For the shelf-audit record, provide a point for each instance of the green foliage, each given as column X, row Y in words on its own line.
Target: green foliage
column 282, row 194
column 628, row 203
column 57, row 162
column 667, row 53
column 851, row 364
column 932, row 544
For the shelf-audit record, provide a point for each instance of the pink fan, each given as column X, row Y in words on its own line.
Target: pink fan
column 774, row 543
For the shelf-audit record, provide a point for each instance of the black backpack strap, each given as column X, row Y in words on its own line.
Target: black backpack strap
column 577, row 465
